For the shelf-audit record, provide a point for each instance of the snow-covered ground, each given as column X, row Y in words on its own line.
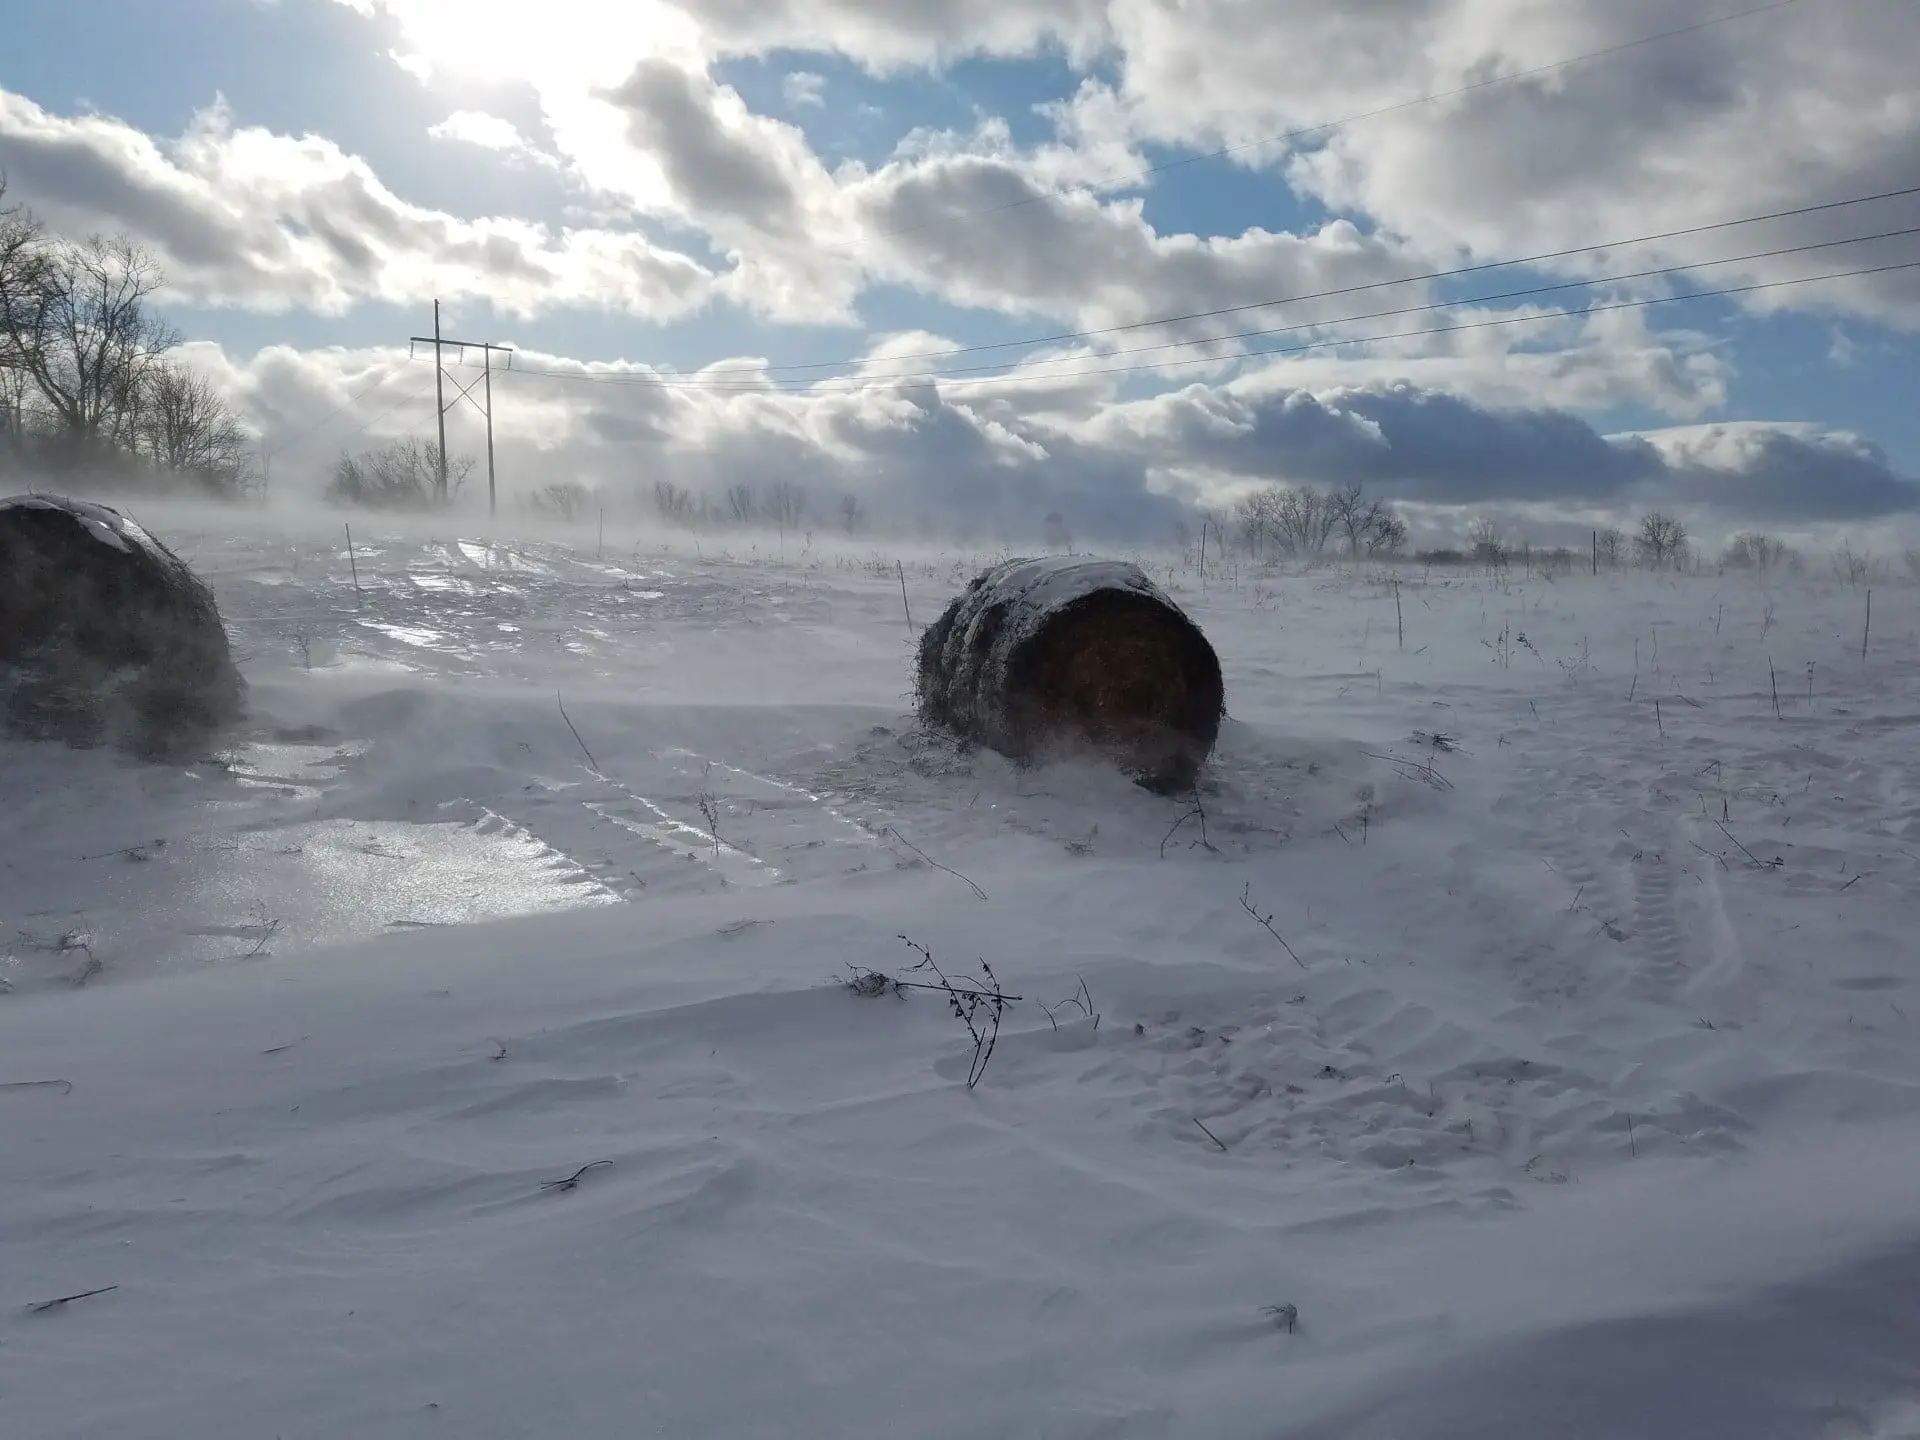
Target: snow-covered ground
column 1572, row 1089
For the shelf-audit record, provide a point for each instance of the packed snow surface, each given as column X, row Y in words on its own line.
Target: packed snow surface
column 1514, row 1036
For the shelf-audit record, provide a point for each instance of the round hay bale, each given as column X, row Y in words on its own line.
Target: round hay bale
column 1048, row 657
column 106, row 637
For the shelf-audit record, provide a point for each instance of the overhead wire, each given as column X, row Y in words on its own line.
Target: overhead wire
column 892, row 381
column 1462, row 302
column 968, row 375
column 1063, row 337
column 307, row 430
column 418, row 393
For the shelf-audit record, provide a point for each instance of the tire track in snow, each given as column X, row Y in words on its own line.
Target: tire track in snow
column 1657, row 935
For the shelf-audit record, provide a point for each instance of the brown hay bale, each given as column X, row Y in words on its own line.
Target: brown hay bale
column 1047, row 657
column 105, row 635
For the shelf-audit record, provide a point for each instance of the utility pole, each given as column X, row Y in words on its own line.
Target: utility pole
column 493, row 502
column 464, row 392
column 440, row 400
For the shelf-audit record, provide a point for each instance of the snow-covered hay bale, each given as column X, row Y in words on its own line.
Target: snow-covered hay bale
column 106, row 637
column 1041, row 658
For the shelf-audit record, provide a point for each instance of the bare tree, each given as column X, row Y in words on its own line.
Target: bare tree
column 184, row 425
column 400, row 475
column 1252, row 517
column 674, row 502
column 1852, row 565
column 22, row 252
column 1387, row 537
column 1369, row 525
column 77, row 322
column 1353, row 515
column 1760, row 553
column 1661, row 541
column 16, row 389
column 786, row 504
column 741, row 502
column 850, row 512
column 1487, row 545
column 1611, row 544
column 1296, row 521
column 1304, row 521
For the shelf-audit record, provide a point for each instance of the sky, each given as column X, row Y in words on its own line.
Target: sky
column 738, row 241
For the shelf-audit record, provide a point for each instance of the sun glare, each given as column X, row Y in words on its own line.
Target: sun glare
column 556, row 41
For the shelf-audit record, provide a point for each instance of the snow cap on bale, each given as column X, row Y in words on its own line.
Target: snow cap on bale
column 105, row 635
column 1054, row 656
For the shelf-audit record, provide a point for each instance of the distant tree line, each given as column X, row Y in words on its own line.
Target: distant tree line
column 88, row 382
column 1298, row 522
column 782, row 505
column 1658, row 541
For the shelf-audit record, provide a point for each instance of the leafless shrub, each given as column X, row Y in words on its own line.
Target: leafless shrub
column 1760, row 554
column 401, row 475
column 1081, row 1000
column 978, row 1007
column 872, row 984
column 1853, row 566
column 710, row 812
column 566, row 501
column 1265, row 922
column 1195, row 812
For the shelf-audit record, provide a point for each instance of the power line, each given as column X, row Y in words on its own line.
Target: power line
column 1328, row 126
column 885, row 382
column 345, row 404
column 419, row 392
column 701, row 382
column 1480, row 324
column 1528, row 292
column 1273, row 301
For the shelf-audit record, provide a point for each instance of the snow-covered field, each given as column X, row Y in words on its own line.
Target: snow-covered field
column 1572, row 1090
